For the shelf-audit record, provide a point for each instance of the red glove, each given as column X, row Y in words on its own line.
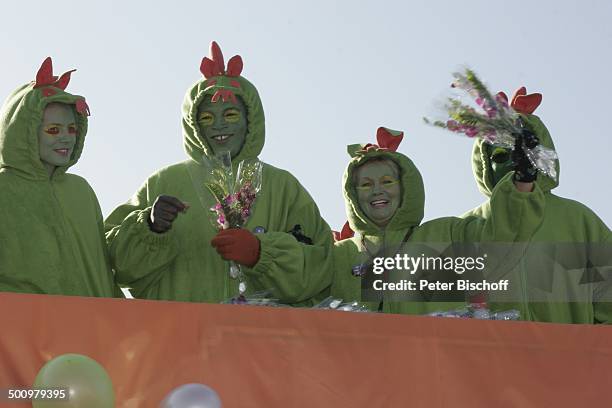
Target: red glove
column 239, row 245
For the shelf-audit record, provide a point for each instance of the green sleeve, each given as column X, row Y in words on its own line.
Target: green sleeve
column 100, row 225
column 514, row 216
column 344, row 285
column 138, row 255
column 297, row 271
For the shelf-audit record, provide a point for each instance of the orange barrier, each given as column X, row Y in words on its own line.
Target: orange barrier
column 272, row 357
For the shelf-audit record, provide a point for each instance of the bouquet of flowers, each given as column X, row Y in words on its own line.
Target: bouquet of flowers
column 235, row 197
column 491, row 119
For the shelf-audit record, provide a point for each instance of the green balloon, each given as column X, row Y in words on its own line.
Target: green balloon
column 88, row 384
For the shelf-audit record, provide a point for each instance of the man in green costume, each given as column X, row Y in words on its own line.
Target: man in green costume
column 385, row 199
column 52, row 235
column 552, row 287
column 161, row 247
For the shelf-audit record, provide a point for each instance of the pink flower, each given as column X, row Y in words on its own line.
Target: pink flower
column 471, row 131
column 229, row 200
column 489, row 135
column 479, row 101
column 452, row 125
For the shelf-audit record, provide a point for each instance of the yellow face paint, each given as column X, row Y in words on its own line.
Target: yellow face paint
column 365, row 186
column 57, row 135
column 56, row 128
column 206, row 119
column 385, row 182
column 223, row 124
column 52, row 129
column 500, row 162
column 232, row 115
column 378, row 190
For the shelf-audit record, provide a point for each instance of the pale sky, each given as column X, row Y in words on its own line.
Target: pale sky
column 329, row 73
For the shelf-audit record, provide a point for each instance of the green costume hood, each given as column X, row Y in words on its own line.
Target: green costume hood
column 21, row 117
column 410, row 212
column 481, row 163
column 221, row 83
column 52, row 236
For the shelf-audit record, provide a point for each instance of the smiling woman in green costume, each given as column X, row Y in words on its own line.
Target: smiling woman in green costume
column 161, row 246
column 385, row 199
column 550, row 291
column 51, row 236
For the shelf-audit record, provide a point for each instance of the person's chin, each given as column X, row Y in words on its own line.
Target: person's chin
column 63, row 160
column 381, row 218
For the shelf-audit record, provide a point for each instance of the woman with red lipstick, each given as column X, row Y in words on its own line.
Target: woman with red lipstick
column 51, row 232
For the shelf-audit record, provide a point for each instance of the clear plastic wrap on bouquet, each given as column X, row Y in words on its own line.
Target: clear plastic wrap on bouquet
column 543, row 159
column 235, row 197
column 332, row 303
column 471, row 312
column 256, row 299
column 511, row 314
column 491, row 118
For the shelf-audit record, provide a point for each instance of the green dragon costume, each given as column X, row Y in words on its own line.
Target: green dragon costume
column 564, row 222
column 52, row 236
column 181, row 264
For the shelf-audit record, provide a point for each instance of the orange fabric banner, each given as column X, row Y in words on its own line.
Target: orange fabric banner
column 282, row 357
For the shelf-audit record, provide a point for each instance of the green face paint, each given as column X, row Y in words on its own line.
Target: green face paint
column 57, row 136
column 223, row 124
column 379, row 190
column 500, row 160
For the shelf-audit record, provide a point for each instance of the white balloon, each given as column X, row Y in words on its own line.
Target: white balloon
column 192, row 396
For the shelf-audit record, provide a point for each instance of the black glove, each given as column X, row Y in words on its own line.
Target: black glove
column 165, row 210
column 524, row 171
column 299, row 235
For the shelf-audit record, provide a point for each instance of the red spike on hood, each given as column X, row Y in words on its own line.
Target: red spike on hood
column 234, row 66
column 207, row 68
column 346, row 232
column 521, row 91
column 527, row 103
column 214, row 64
column 217, row 56
column 82, row 107
column 387, row 140
column 523, row 103
column 44, row 76
column 62, row 83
